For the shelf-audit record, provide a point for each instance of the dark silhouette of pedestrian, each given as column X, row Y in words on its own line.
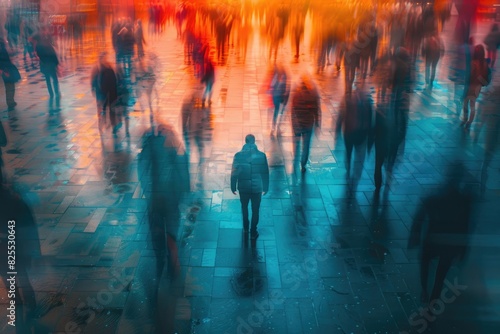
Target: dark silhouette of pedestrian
column 306, row 115
column 441, row 226
column 164, row 176
column 16, row 219
column 105, row 89
column 432, row 50
column 250, row 175
column 10, row 75
column 48, row 62
column 492, row 42
column 490, row 120
column 140, row 41
column 356, row 122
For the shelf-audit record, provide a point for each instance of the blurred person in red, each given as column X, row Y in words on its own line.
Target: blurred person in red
column 480, row 75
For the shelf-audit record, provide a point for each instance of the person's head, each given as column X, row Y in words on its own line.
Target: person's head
column 479, row 52
column 250, row 139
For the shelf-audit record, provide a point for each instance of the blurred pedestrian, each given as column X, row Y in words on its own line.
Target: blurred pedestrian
column 460, row 72
column 208, row 79
column 441, row 226
column 49, row 62
column 17, row 219
column 104, row 87
column 250, row 175
column 124, row 98
column 356, row 121
column 163, row 171
column 196, row 124
column 280, row 91
column 306, row 115
column 480, row 76
column 140, row 41
column 10, row 75
column 145, row 79
column 490, row 120
column 432, row 50
column 492, row 42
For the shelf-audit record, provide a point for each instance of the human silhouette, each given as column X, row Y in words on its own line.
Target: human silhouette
column 306, row 116
column 250, row 175
column 441, row 226
column 17, row 219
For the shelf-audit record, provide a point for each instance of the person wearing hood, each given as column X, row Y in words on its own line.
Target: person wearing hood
column 250, row 175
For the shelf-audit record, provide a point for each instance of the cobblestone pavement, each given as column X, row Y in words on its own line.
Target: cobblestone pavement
column 322, row 264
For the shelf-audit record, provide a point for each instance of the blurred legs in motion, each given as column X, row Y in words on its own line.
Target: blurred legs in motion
column 302, row 143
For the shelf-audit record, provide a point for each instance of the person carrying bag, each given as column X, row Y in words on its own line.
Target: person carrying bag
column 10, row 76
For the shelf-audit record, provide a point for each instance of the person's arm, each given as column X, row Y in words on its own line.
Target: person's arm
column 317, row 121
column 265, row 176
column 234, row 173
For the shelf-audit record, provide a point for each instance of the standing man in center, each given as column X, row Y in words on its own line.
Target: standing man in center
column 251, row 172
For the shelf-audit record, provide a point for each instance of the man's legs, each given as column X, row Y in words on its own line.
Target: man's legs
column 256, row 198
column 56, row 83
column 277, row 104
column 49, row 84
column 10, row 91
column 444, row 265
column 306, row 142
column 244, row 199
column 296, row 148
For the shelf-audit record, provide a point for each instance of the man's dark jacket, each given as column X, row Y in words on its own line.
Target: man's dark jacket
column 250, row 171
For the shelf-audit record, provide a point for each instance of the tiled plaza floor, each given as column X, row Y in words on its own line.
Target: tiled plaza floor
column 323, row 263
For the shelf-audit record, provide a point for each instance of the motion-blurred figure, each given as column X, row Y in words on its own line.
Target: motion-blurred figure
column 460, row 72
column 10, row 75
column 441, row 226
column 479, row 77
column 208, row 79
column 280, row 91
column 250, row 175
column 432, row 50
column 124, row 98
column 356, row 122
column 140, row 41
column 196, row 124
column 48, row 61
column 105, row 89
column 17, row 220
column 164, row 176
column 492, row 42
column 145, row 80
column 306, row 115
column 490, row 120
